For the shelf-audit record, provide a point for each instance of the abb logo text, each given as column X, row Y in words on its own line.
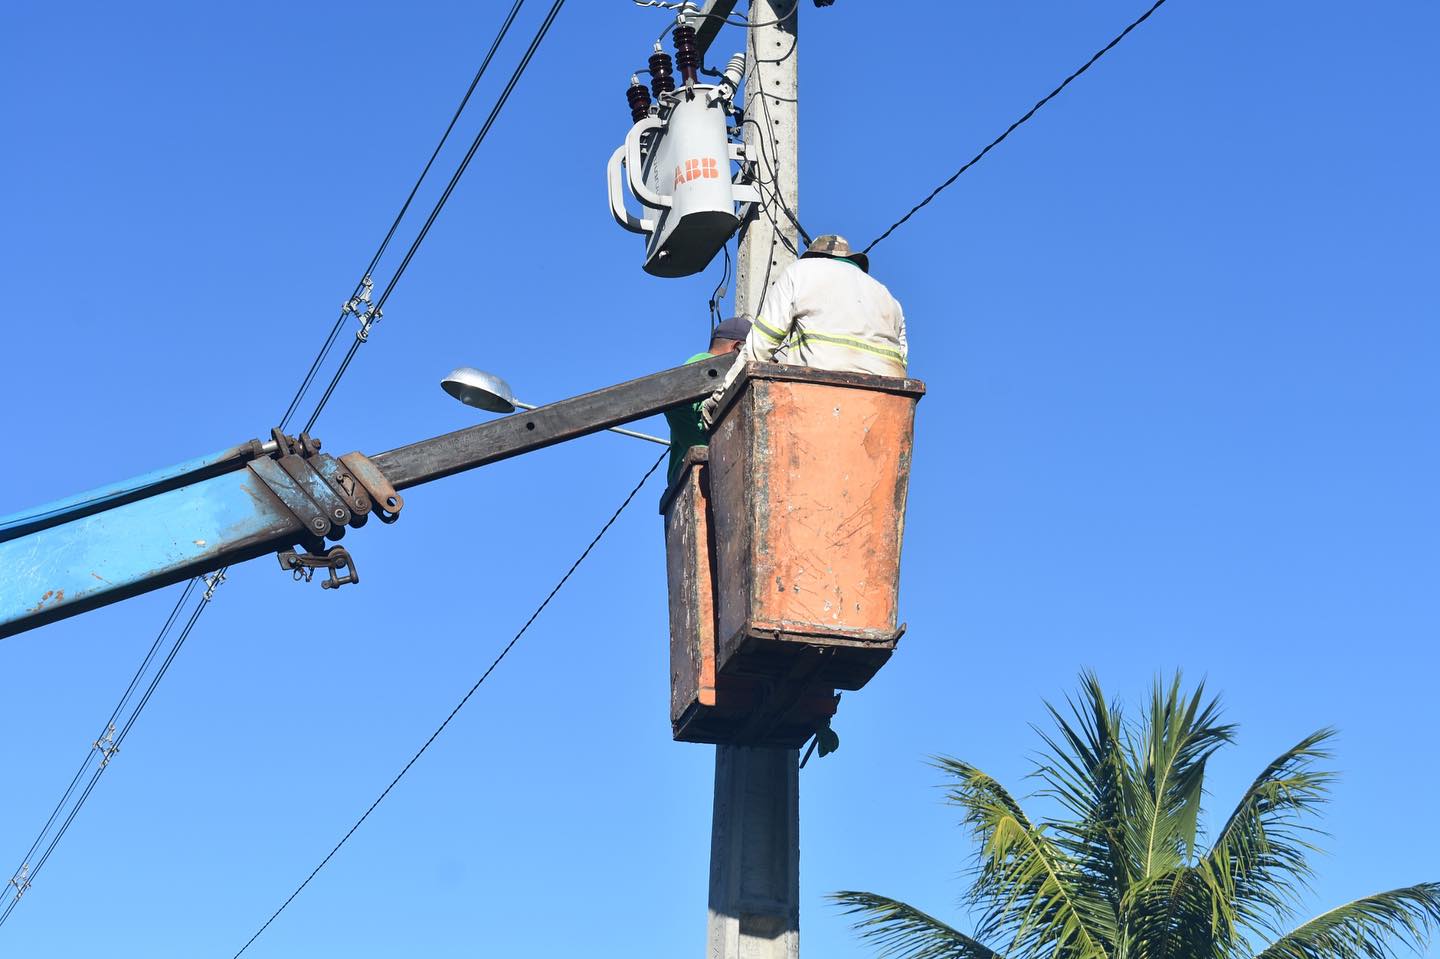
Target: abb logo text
column 707, row 168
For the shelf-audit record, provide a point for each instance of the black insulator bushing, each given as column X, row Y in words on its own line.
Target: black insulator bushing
column 687, row 54
column 639, row 100
column 662, row 74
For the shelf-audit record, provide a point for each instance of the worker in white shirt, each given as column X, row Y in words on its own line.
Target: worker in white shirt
column 824, row 311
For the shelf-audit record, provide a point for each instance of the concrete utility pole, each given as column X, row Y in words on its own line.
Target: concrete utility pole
column 755, row 836
column 771, row 133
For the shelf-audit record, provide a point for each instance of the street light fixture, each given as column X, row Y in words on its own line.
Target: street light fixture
column 486, row 391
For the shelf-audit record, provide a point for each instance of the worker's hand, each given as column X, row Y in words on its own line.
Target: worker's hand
column 709, row 408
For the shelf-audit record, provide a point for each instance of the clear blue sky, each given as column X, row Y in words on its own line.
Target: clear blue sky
column 1180, row 337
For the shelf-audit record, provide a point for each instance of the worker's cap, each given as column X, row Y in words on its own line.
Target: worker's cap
column 735, row 328
column 837, row 248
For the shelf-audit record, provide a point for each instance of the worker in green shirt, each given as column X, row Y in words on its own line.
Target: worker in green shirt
column 687, row 429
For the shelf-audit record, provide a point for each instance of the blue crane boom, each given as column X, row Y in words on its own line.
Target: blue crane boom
column 277, row 496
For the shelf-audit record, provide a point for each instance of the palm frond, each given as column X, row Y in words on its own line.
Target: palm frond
column 1084, row 770
column 1183, row 914
column 1030, row 889
column 1367, row 928
column 974, row 784
column 1167, row 776
column 901, row 931
column 1116, row 875
column 1261, row 855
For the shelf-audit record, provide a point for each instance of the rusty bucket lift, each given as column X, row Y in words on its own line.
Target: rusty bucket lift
column 783, row 552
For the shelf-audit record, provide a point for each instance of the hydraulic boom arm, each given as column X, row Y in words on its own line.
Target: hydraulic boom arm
column 262, row 497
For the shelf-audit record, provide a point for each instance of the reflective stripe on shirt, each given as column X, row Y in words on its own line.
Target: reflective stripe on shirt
column 850, row 342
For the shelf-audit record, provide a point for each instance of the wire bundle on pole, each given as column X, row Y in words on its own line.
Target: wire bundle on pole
column 765, row 137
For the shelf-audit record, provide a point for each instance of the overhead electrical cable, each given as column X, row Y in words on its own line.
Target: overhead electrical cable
column 109, row 742
column 440, row 204
column 119, row 738
column 1012, row 128
column 461, row 704
column 25, row 873
column 404, row 208
column 444, row 137
column 34, row 871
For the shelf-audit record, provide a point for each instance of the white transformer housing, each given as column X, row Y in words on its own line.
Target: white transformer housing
column 685, row 188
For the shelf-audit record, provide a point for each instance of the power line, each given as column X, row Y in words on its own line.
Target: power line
column 440, row 204
column 404, row 208
column 29, row 874
column 460, row 705
column 479, row 74
column 1011, row 129
column 25, row 873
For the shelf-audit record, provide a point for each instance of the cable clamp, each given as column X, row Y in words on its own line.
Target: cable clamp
column 367, row 319
column 360, row 307
column 211, row 581
column 353, row 306
column 21, row 881
column 107, row 746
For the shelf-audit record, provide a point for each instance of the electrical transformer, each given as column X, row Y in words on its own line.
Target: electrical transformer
column 676, row 163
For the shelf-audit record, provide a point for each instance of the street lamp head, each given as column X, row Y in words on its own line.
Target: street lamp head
column 486, row 391
column 479, row 389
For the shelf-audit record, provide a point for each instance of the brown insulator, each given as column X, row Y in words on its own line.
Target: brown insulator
column 687, row 55
column 639, row 99
column 662, row 74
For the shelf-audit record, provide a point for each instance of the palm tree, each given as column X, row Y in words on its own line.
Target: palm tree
column 1122, row 872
